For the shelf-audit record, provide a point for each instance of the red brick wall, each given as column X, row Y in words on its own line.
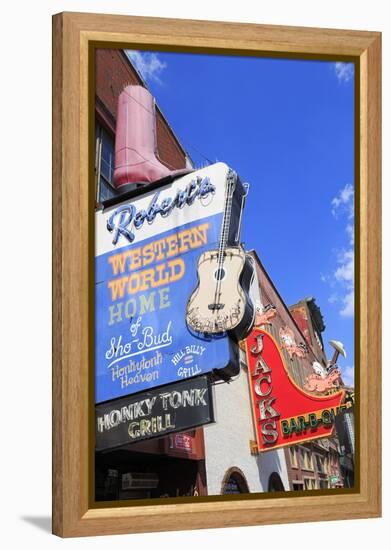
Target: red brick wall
column 113, row 72
column 168, row 148
column 298, row 473
column 300, row 315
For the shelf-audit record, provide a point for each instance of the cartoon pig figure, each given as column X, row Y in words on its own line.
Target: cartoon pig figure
column 317, row 383
column 289, row 343
column 265, row 316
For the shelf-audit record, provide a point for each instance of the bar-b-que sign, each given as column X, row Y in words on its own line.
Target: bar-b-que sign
column 173, row 408
column 283, row 413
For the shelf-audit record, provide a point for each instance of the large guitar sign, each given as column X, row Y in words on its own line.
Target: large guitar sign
column 220, row 302
column 147, row 249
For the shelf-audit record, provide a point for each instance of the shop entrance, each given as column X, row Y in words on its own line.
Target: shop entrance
column 125, row 475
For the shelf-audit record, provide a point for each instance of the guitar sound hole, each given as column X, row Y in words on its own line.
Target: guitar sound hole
column 220, row 274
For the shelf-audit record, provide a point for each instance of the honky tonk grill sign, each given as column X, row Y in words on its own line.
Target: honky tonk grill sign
column 284, row 414
column 161, row 411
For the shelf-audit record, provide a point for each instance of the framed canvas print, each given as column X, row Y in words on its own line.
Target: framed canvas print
column 216, row 262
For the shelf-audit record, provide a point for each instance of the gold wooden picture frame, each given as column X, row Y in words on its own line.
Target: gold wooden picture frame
column 75, row 38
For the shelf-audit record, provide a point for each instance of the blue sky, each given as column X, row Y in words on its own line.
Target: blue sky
column 287, row 128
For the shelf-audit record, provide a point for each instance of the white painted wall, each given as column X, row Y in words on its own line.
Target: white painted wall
column 227, row 441
column 272, row 461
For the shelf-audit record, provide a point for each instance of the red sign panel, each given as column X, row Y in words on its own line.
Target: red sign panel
column 184, row 442
column 284, row 414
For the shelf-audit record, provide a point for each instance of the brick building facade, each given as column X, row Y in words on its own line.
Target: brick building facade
column 314, row 465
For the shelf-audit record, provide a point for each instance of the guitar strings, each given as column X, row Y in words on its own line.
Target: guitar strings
column 224, row 238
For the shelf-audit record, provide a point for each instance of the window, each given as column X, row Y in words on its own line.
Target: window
column 309, row 463
column 309, row 483
column 275, row 483
column 232, row 486
column 302, row 458
column 234, row 482
column 298, row 485
column 306, row 459
column 293, row 456
column 320, row 463
column 104, row 164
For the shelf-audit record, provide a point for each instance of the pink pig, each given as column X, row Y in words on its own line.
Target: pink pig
column 319, row 384
column 265, row 317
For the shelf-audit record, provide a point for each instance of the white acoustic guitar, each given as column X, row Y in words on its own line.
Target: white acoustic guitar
column 221, row 302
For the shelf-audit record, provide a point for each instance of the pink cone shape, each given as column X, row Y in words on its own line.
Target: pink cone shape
column 135, row 141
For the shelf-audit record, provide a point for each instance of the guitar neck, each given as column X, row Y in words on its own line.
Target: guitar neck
column 231, row 181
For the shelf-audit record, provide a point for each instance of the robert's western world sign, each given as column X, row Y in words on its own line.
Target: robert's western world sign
column 283, row 413
column 145, row 270
column 159, row 412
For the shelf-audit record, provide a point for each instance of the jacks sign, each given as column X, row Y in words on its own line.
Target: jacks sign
column 284, row 414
